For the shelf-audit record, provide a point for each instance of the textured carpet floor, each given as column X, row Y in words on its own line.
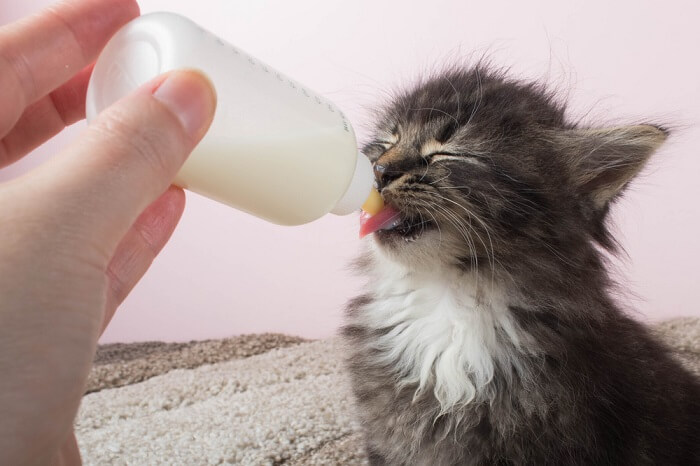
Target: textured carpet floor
column 250, row 400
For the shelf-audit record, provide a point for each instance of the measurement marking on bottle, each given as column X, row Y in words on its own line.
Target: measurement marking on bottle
column 297, row 87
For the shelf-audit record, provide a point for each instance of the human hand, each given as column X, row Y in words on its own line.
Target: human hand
column 77, row 233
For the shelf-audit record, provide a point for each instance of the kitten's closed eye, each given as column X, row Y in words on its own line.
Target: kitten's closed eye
column 435, row 151
column 386, row 145
column 432, row 148
column 447, row 156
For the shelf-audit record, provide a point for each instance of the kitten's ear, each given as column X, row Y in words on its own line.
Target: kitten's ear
column 604, row 160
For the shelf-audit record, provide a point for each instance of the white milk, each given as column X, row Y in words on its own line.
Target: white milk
column 275, row 149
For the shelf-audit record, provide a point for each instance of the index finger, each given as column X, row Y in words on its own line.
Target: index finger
column 43, row 51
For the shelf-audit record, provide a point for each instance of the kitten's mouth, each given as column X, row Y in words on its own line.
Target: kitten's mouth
column 389, row 222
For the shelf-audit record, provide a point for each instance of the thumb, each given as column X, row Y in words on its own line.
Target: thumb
column 127, row 158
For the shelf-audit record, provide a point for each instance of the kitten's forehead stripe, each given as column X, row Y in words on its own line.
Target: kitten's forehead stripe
column 431, row 147
column 457, row 158
column 391, row 156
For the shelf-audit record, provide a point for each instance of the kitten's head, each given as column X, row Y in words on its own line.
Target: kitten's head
column 486, row 171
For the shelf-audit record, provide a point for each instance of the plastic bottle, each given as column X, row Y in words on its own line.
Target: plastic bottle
column 275, row 149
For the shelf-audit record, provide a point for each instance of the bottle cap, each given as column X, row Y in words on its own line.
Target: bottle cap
column 131, row 58
column 359, row 189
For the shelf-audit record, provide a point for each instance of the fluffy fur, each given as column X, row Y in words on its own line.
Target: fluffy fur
column 487, row 334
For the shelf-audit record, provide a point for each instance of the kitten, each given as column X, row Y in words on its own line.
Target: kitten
column 487, row 334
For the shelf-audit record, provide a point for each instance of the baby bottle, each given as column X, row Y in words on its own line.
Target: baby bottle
column 275, row 148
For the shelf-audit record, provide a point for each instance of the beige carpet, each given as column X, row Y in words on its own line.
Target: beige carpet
column 249, row 400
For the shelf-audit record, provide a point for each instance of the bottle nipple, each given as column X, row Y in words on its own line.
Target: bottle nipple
column 374, row 203
column 377, row 216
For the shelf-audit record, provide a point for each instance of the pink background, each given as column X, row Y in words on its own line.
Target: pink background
column 227, row 273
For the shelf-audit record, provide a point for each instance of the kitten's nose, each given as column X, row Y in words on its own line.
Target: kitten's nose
column 378, row 170
column 384, row 176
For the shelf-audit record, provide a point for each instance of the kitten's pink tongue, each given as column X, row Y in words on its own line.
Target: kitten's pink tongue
column 386, row 218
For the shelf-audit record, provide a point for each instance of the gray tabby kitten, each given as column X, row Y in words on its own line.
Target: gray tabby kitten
column 487, row 334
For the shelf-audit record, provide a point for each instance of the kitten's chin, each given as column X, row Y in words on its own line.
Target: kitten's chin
column 393, row 236
column 398, row 239
column 421, row 251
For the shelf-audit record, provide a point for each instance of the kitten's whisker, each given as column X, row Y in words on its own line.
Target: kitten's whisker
column 458, row 96
column 481, row 96
column 476, row 217
column 427, row 167
column 456, row 222
column 443, row 178
column 430, row 207
column 464, row 231
column 490, row 253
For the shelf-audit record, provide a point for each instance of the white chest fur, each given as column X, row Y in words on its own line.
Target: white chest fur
column 445, row 330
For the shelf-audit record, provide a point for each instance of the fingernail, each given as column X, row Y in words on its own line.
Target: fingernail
column 191, row 97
